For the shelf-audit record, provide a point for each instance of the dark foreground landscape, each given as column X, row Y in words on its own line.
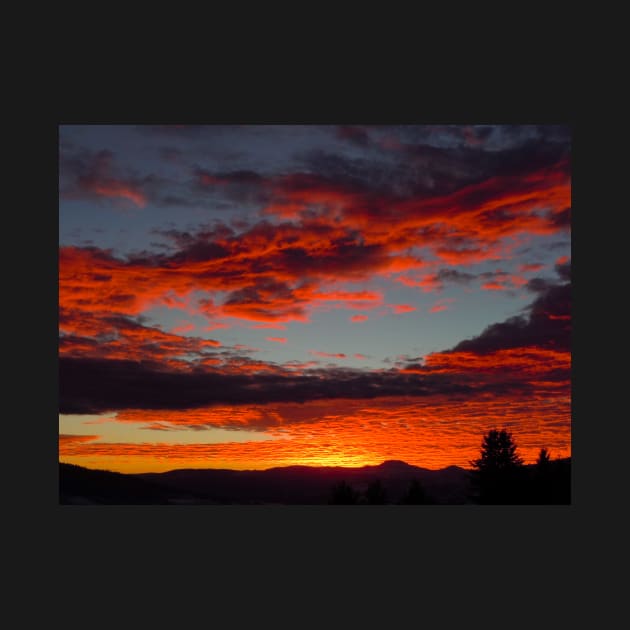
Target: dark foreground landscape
column 392, row 482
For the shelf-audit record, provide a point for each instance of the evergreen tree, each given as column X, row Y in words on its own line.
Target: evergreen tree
column 543, row 478
column 498, row 473
column 542, row 463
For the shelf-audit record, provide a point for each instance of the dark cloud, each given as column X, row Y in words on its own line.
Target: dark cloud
column 458, row 277
column 561, row 219
column 539, row 285
column 190, row 132
column 563, row 269
column 493, row 275
column 267, row 300
column 359, row 175
column 170, row 154
column 230, row 177
column 547, row 326
column 99, row 175
column 543, row 285
column 96, row 175
column 97, row 385
column 238, row 186
column 421, row 169
column 355, row 135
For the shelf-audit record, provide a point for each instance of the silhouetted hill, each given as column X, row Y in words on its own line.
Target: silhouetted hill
column 297, row 485
column 282, row 485
column 84, row 486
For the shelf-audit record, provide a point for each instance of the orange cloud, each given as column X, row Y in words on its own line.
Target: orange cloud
column 359, row 318
column 517, row 361
column 433, row 433
column 277, row 339
column 66, row 440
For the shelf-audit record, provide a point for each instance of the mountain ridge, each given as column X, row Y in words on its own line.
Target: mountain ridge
column 286, row 485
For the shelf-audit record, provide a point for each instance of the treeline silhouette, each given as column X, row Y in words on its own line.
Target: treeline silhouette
column 498, row 477
column 376, row 494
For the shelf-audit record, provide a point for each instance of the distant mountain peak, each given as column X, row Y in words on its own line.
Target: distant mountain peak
column 394, row 463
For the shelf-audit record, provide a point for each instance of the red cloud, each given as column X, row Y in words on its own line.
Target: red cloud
column 531, row 267
column 338, row 236
column 518, row 281
column 183, row 328
column 277, row 339
column 562, row 260
column 126, row 338
column 267, row 312
column 216, row 326
column 328, row 355
column 95, row 174
column 364, row 300
column 493, row 286
column 428, row 283
column 403, row 308
column 526, row 362
column 359, row 318
column 113, row 188
column 441, row 305
column 360, row 356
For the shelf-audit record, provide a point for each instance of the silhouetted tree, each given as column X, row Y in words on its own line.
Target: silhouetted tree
column 498, row 474
column 543, row 478
column 343, row 494
column 375, row 493
column 542, row 463
column 415, row 495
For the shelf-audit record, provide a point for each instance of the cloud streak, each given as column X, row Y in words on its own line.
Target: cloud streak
column 94, row 175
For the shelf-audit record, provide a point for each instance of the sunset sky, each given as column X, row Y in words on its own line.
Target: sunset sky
column 255, row 296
